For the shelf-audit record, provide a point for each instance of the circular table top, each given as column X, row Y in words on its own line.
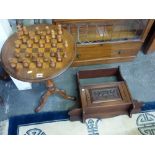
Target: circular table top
column 38, row 54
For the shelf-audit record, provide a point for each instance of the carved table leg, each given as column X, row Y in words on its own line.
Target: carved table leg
column 64, row 95
column 43, row 100
column 51, row 89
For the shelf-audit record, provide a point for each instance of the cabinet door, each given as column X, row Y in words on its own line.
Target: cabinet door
column 87, row 32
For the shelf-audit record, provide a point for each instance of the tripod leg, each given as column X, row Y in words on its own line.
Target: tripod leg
column 43, row 100
column 64, row 95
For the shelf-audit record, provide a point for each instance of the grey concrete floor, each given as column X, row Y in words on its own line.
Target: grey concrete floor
column 139, row 75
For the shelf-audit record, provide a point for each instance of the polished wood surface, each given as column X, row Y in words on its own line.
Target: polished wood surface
column 149, row 44
column 39, row 53
column 106, row 53
column 42, row 53
column 107, row 102
column 106, row 40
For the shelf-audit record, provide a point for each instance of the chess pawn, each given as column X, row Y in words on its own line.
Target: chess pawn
column 59, row 27
column 58, row 57
column 42, row 37
column 66, row 44
column 53, row 44
column 60, row 32
column 37, row 30
column 25, row 30
column 25, row 64
column 53, row 34
column 52, row 54
column 13, row 64
column 59, row 38
column 52, row 63
column 41, row 45
column 39, row 64
column 40, row 54
column 17, row 45
column 36, row 40
column 24, row 40
column 47, row 39
column 31, row 36
column 29, row 45
column 27, row 55
column 47, row 30
column 45, row 59
column 17, row 55
column 65, row 54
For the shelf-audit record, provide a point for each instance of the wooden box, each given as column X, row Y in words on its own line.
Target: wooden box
column 106, row 41
column 105, row 99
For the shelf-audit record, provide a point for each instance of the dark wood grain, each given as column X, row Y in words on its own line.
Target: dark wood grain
column 106, row 103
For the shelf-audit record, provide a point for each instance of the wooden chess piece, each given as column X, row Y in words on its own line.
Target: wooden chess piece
column 29, row 45
column 39, row 64
column 24, row 40
column 52, row 54
column 37, row 30
column 27, row 55
column 42, row 37
column 45, row 59
column 53, row 34
column 41, row 45
column 59, row 29
column 53, row 43
column 65, row 54
column 25, row 31
column 36, row 40
column 47, row 30
column 17, row 45
column 47, row 39
column 40, row 54
column 13, row 64
column 59, row 38
column 52, row 63
column 25, row 64
column 58, row 57
column 66, row 44
column 17, row 55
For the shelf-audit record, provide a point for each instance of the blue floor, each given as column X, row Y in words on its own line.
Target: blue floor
column 139, row 75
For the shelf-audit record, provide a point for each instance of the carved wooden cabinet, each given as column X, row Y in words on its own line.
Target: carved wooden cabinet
column 106, row 40
column 103, row 93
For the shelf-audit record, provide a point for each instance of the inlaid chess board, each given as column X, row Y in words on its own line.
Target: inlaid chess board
column 38, row 52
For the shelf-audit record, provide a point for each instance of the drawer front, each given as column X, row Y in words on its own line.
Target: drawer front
column 107, row 50
column 94, row 54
